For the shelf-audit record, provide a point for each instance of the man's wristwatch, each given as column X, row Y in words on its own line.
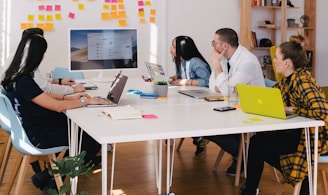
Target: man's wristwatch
column 82, row 99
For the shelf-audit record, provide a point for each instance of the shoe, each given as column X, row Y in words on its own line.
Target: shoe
column 200, row 147
column 50, row 185
column 231, row 171
column 41, row 179
column 244, row 191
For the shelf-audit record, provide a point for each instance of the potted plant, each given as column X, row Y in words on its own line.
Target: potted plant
column 161, row 88
column 71, row 167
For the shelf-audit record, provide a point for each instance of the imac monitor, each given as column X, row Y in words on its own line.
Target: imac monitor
column 102, row 49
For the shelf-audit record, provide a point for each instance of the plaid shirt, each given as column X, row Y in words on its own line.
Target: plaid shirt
column 301, row 91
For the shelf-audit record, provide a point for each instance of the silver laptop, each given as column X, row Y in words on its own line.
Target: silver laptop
column 198, row 93
column 156, row 72
column 115, row 91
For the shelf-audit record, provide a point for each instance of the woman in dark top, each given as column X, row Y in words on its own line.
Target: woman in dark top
column 41, row 113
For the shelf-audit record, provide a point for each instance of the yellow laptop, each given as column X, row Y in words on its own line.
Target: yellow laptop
column 262, row 101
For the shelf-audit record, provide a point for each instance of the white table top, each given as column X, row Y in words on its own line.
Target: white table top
column 179, row 116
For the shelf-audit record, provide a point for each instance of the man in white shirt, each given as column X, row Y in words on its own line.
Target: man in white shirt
column 57, row 86
column 244, row 68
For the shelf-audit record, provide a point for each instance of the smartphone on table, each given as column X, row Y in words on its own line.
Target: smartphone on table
column 224, row 108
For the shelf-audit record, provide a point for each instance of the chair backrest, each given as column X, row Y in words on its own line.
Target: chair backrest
column 273, row 55
column 4, row 115
column 269, row 83
column 18, row 135
column 60, row 72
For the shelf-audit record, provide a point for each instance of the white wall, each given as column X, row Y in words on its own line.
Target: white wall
column 198, row 19
column 322, row 43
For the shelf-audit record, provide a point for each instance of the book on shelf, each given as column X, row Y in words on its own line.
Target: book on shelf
column 122, row 112
column 253, row 40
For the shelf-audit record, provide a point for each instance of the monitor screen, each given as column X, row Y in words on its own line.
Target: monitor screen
column 102, row 49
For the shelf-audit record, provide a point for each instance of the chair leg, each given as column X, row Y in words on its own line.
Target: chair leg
column 5, row 159
column 279, row 190
column 275, row 173
column 180, row 144
column 15, row 170
column 218, row 160
column 58, row 178
column 324, row 181
column 297, row 188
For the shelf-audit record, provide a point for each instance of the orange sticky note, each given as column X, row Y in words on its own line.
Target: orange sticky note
column 49, row 26
column 152, row 19
column 121, row 6
column 122, row 23
column 114, row 7
column 162, row 98
column 153, row 11
column 105, row 16
column 142, row 21
column 122, row 14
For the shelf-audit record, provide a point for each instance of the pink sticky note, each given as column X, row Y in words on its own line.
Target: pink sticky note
column 71, row 15
column 41, row 7
column 57, row 7
column 140, row 3
column 149, row 116
column 49, row 8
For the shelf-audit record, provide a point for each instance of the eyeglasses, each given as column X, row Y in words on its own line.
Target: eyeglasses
column 214, row 43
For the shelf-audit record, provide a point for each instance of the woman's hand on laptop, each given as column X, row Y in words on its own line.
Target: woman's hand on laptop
column 97, row 101
column 290, row 109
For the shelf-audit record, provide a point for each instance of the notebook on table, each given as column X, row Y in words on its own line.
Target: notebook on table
column 115, row 91
column 264, row 101
column 197, row 93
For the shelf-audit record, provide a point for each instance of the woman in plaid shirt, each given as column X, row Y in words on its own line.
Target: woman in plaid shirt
column 285, row 150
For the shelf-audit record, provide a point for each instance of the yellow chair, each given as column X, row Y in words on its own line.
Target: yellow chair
column 273, row 55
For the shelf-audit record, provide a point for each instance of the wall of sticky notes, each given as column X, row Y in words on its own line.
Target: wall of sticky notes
column 157, row 22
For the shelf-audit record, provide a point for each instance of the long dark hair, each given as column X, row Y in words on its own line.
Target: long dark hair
column 186, row 49
column 27, row 59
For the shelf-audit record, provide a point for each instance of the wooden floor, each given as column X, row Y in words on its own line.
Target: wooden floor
column 135, row 173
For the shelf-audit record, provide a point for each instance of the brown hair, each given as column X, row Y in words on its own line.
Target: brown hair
column 293, row 50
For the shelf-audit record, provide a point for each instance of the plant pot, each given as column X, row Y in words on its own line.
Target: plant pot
column 161, row 90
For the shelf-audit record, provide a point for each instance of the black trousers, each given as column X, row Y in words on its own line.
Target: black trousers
column 267, row 147
column 229, row 143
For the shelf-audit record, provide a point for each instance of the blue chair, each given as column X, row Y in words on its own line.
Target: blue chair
column 269, row 83
column 60, row 72
column 23, row 145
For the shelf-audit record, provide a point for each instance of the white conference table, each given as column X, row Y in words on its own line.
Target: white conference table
column 178, row 117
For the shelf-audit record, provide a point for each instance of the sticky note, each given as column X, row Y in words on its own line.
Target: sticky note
column 149, row 116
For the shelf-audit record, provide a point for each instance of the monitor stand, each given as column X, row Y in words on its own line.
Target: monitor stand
column 101, row 79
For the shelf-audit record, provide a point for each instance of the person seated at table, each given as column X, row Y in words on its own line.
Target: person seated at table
column 231, row 64
column 42, row 113
column 191, row 69
column 286, row 150
column 58, row 86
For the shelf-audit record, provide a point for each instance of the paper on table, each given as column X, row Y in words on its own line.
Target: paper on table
column 125, row 112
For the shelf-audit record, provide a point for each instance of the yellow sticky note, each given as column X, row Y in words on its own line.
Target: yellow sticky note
column 122, row 23
column 105, row 6
column 105, row 16
column 153, row 11
column 58, row 16
column 30, row 17
column 141, row 14
column 147, row 2
column 49, row 18
column 41, row 17
column 255, row 119
column 152, row 19
column 81, row 6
